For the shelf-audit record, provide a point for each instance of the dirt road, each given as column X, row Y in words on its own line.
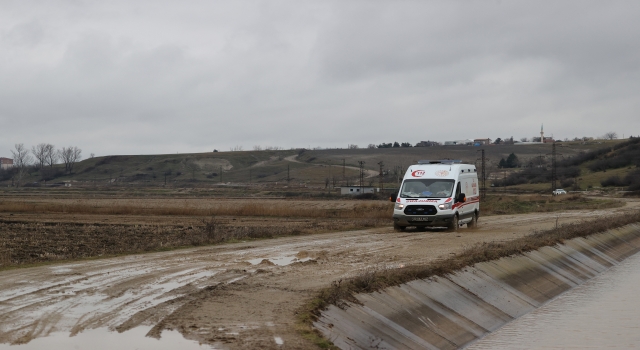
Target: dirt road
column 240, row 295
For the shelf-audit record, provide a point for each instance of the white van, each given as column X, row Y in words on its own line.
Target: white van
column 438, row 193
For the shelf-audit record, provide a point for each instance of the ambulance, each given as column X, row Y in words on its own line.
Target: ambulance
column 438, row 193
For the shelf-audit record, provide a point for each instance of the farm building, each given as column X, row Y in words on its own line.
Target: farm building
column 6, row 163
column 353, row 190
column 482, row 141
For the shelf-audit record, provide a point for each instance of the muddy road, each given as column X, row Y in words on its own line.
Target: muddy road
column 236, row 295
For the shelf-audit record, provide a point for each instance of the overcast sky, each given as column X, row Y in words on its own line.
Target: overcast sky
column 142, row 77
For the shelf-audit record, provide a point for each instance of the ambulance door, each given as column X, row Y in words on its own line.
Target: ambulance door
column 458, row 191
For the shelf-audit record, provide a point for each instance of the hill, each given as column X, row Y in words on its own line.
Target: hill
column 320, row 168
column 611, row 165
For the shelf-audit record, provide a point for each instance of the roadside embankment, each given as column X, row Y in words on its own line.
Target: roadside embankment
column 445, row 308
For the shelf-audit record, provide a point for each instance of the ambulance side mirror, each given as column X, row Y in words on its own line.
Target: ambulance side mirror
column 393, row 197
column 461, row 198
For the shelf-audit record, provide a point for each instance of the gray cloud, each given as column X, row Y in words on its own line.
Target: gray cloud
column 157, row 76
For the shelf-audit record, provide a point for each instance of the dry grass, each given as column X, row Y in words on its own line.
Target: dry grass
column 370, row 281
column 381, row 210
column 499, row 205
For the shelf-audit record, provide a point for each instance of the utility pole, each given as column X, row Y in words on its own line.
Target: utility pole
column 554, row 166
column 381, row 164
column 483, row 175
column 361, row 175
column 504, row 181
column 554, row 175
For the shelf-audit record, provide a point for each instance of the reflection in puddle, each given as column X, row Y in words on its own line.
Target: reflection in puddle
column 103, row 339
column 280, row 261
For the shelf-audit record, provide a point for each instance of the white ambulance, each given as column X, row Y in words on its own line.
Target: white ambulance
column 438, row 193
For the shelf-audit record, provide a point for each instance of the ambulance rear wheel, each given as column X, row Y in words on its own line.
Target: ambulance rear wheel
column 474, row 221
column 398, row 227
column 453, row 226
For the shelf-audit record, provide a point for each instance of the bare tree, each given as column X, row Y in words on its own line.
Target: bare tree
column 51, row 156
column 40, row 152
column 21, row 160
column 610, row 135
column 70, row 155
column 524, row 139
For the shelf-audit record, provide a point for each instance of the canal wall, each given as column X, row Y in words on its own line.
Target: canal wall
column 452, row 311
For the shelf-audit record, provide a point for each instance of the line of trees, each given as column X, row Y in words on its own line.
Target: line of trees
column 42, row 157
column 394, row 145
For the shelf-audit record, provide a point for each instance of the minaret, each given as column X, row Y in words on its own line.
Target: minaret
column 542, row 133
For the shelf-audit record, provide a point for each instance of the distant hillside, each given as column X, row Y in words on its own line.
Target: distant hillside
column 615, row 164
column 329, row 167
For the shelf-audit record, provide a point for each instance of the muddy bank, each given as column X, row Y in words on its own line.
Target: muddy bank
column 451, row 311
column 33, row 242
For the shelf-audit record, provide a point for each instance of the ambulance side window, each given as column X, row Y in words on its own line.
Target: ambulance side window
column 458, row 191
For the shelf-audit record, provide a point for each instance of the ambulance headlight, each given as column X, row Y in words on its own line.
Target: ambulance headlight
column 399, row 206
column 445, row 206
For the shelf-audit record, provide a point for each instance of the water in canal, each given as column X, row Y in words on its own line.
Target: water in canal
column 602, row 313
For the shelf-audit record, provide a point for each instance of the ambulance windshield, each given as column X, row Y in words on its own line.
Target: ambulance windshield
column 426, row 188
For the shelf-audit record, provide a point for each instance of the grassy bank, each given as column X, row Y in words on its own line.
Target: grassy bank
column 344, row 290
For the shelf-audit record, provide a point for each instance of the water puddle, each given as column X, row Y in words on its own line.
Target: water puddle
column 103, row 339
column 280, row 261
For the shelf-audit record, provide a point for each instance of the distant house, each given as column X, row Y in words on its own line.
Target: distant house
column 466, row 142
column 427, row 144
column 354, row 190
column 546, row 139
column 481, row 141
column 6, row 163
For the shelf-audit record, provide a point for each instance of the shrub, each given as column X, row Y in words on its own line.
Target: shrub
column 48, row 173
column 567, row 183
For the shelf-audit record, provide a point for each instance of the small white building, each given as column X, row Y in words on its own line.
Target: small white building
column 6, row 163
column 355, row 190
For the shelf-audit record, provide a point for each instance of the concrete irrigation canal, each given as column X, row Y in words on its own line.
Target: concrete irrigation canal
column 455, row 310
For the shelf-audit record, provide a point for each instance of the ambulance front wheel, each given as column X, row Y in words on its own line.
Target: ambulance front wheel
column 453, row 226
column 398, row 227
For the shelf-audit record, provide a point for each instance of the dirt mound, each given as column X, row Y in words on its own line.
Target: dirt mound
column 212, row 164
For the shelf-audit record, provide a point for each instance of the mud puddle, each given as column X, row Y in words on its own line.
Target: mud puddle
column 103, row 339
column 280, row 261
